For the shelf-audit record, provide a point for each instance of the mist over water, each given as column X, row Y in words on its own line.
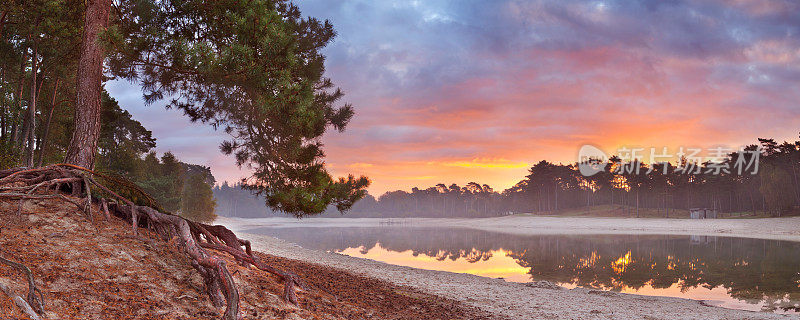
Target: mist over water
column 741, row 273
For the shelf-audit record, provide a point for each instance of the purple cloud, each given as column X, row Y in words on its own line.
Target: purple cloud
column 442, row 82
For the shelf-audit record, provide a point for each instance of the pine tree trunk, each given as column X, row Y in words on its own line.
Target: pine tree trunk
column 3, row 20
column 3, row 83
column 796, row 185
column 31, row 127
column 20, row 87
column 83, row 145
column 555, row 191
column 588, row 197
column 4, row 107
column 612, row 198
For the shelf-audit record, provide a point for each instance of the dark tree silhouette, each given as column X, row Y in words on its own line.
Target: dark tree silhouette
column 658, row 190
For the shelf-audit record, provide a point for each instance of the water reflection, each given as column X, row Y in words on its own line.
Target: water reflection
column 739, row 273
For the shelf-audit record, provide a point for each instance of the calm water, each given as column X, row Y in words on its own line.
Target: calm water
column 740, row 273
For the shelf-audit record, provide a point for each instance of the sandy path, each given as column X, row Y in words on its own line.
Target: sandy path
column 521, row 301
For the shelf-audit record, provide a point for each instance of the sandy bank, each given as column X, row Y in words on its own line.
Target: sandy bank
column 99, row 271
column 525, row 301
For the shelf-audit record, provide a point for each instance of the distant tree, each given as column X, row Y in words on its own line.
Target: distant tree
column 197, row 199
column 172, row 173
column 368, row 205
column 235, row 201
column 123, row 140
column 636, row 179
column 776, row 187
column 163, row 180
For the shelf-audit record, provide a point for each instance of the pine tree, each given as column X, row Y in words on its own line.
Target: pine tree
column 197, row 200
column 83, row 145
column 255, row 71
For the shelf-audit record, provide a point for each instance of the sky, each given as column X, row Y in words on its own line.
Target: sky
column 459, row 91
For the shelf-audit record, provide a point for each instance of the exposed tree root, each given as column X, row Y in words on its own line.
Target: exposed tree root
column 21, row 303
column 33, row 304
column 233, row 245
column 193, row 238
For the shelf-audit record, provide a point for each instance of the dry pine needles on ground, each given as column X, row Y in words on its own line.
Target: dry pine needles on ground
column 193, row 238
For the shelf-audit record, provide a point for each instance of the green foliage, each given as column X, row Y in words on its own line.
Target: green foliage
column 124, row 149
column 197, row 201
column 255, row 71
column 7, row 158
column 122, row 140
column 44, row 34
column 168, row 184
column 163, row 180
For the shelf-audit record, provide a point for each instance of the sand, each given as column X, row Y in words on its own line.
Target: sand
column 99, row 271
column 538, row 300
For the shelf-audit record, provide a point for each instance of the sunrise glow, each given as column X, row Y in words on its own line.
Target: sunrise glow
column 529, row 84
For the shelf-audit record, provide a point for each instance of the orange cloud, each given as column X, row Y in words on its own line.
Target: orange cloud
column 486, row 163
column 460, row 101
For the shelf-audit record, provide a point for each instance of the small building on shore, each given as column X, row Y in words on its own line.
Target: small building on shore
column 702, row 213
column 701, row 240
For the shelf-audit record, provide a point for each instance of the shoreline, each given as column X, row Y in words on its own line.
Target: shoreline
column 526, row 300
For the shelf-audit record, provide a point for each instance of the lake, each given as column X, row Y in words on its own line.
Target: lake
column 741, row 273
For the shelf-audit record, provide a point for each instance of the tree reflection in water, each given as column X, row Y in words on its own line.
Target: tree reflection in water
column 760, row 272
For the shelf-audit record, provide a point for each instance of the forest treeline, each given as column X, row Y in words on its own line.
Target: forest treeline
column 234, row 201
column 555, row 188
column 663, row 187
column 38, row 57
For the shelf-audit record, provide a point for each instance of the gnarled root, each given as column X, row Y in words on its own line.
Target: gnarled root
column 192, row 237
column 233, row 245
column 33, row 304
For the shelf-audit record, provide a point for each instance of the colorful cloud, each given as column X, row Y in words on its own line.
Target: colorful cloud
column 459, row 91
